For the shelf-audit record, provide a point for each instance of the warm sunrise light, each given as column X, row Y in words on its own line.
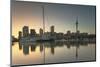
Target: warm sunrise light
column 30, row 14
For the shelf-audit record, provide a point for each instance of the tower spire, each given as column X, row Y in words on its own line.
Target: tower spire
column 76, row 24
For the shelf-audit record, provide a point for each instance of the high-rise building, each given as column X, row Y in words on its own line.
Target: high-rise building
column 41, row 31
column 68, row 32
column 52, row 29
column 32, row 32
column 25, row 31
column 52, row 33
column 20, row 35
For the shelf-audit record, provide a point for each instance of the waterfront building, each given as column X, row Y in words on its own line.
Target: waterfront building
column 41, row 31
column 67, row 36
column 52, row 29
column 68, row 32
column 25, row 31
column 32, row 32
column 20, row 35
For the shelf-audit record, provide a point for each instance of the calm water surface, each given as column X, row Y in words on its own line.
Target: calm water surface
column 51, row 52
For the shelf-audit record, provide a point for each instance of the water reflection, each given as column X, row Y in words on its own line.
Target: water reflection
column 51, row 45
column 53, row 52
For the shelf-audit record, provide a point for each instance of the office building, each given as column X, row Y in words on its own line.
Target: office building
column 25, row 31
column 20, row 35
column 41, row 31
column 32, row 32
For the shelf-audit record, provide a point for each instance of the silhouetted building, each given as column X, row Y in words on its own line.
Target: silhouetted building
column 68, row 32
column 25, row 31
column 52, row 29
column 41, row 31
column 32, row 32
column 20, row 35
column 52, row 33
column 67, row 36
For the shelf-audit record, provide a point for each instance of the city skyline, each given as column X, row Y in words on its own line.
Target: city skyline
column 44, row 33
column 64, row 19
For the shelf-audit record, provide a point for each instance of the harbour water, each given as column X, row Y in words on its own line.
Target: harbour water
column 52, row 52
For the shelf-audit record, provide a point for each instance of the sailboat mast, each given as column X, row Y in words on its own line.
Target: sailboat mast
column 43, row 30
column 43, row 20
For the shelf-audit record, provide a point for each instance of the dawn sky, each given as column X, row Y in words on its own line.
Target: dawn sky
column 63, row 17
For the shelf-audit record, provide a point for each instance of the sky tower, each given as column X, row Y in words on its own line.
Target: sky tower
column 77, row 24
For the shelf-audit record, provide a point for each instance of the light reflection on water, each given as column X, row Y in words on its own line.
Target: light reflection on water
column 51, row 52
